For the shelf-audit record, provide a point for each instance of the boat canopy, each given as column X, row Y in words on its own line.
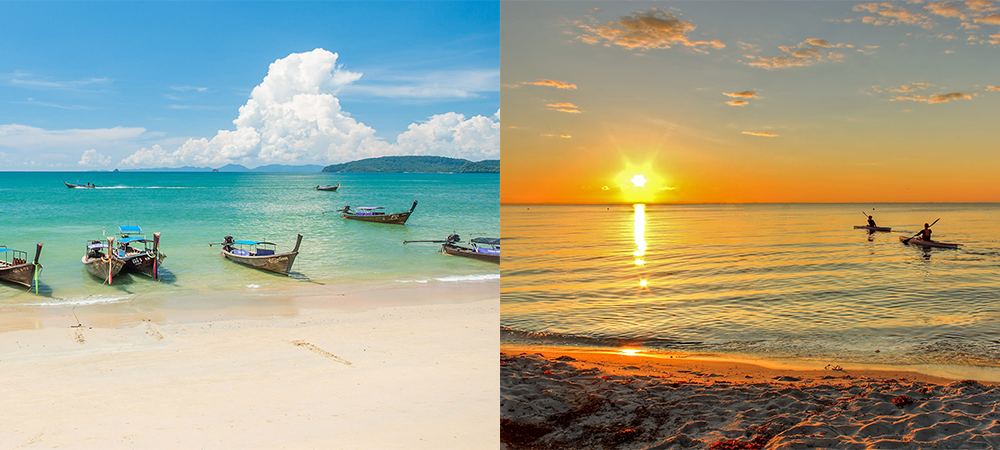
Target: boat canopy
column 252, row 242
column 129, row 229
column 132, row 239
column 369, row 208
column 486, row 240
column 7, row 250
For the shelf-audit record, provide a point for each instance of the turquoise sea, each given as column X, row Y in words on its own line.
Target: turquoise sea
column 192, row 209
column 791, row 282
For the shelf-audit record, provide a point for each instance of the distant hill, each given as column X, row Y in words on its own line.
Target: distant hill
column 415, row 164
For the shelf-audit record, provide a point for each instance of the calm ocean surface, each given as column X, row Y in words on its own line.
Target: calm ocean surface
column 192, row 209
column 776, row 281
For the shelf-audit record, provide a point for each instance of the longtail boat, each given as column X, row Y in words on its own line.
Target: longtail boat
column 80, row 186
column 140, row 255
column 327, row 187
column 377, row 214
column 483, row 248
column 15, row 267
column 259, row 254
column 99, row 262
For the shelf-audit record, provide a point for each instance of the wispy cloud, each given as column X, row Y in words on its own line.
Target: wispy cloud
column 565, row 136
column 646, row 30
column 436, row 85
column 992, row 19
column 25, row 137
column 934, row 98
column 993, row 88
column 31, row 101
column 189, row 88
column 760, row 133
column 195, row 107
column 808, row 52
column 551, row 83
column 737, row 102
column 744, row 94
column 564, row 107
column 29, row 81
column 887, row 13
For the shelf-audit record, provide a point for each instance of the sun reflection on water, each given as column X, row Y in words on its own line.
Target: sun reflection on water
column 639, row 233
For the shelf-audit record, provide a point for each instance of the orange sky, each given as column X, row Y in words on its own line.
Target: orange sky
column 761, row 102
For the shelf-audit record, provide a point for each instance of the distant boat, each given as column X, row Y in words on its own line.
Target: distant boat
column 483, row 248
column 259, row 254
column 80, row 186
column 99, row 262
column 327, row 187
column 871, row 228
column 145, row 259
column 15, row 267
column 376, row 214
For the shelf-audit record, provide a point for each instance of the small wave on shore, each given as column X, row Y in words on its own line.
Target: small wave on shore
column 82, row 301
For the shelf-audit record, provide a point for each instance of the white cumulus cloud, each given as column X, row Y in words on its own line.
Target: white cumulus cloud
column 293, row 117
column 92, row 158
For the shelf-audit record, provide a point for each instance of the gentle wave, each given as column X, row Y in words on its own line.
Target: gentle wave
column 82, row 301
column 489, row 276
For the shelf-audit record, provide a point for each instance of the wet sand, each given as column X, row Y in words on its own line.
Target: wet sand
column 323, row 367
column 564, row 398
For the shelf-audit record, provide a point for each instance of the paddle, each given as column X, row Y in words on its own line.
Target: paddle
column 907, row 241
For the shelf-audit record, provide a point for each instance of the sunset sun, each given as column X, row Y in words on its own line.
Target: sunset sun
column 638, row 180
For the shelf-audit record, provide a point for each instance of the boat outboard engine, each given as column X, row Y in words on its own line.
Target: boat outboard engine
column 453, row 238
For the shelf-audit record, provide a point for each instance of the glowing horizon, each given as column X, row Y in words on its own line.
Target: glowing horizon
column 827, row 107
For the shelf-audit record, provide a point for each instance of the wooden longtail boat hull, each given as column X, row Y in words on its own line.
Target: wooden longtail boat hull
column 142, row 263
column 327, row 187
column 394, row 218
column 102, row 269
column 74, row 186
column 21, row 272
column 279, row 263
column 457, row 250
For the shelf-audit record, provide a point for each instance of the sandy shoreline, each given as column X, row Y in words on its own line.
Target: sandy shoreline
column 562, row 398
column 323, row 367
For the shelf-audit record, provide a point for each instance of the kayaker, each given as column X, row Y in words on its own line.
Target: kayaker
column 925, row 234
column 871, row 222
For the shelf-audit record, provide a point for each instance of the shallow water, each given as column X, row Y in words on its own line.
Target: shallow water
column 192, row 209
column 782, row 281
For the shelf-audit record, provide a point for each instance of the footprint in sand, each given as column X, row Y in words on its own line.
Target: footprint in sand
column 79, row 337
column 320, row 352
column 153, row 331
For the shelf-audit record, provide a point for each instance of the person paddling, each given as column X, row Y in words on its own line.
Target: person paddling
column 871, row 222
column 925, row 234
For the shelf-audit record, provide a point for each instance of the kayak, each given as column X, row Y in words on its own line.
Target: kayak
column 871, row 228
column 918, row 241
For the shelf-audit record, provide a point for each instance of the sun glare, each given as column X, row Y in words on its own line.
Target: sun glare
column 638, row 180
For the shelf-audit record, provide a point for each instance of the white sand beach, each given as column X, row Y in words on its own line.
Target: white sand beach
column 323, row 367
column 582, row 399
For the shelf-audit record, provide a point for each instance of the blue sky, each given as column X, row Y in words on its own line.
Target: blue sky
column 117, row 78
